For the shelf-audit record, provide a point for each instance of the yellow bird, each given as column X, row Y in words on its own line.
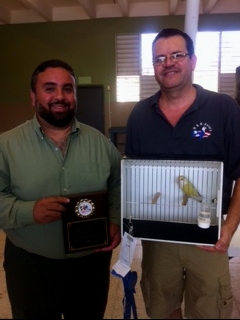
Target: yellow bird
column 188, row 189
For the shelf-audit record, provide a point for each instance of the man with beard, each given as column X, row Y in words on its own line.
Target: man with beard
column 42, row 162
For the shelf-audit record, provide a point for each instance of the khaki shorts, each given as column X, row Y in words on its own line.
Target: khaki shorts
column 173, row 272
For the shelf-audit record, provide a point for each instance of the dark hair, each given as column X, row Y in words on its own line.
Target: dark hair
column 49, row 64
column 170, row 32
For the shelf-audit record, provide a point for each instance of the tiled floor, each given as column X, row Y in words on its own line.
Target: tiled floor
column 114, row 308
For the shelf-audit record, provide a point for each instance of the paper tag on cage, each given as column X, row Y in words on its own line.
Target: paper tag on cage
column 128, row 246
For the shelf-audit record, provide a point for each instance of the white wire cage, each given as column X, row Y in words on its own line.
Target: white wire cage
column 155, row 207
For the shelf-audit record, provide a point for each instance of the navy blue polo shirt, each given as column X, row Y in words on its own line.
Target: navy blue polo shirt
column 208, row 130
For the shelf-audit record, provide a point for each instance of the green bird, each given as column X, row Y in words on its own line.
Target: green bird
column 188, row 189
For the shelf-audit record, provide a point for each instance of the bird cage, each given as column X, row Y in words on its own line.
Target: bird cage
column 162, row 200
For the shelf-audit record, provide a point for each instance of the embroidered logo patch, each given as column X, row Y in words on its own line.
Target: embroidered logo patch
column 202, row 130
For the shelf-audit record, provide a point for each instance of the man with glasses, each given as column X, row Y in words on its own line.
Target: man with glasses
column 185, row 121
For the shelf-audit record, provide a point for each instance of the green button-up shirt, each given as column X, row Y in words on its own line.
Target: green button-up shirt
column 32, row 167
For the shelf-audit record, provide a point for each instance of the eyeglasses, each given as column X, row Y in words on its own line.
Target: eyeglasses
column 174, row 57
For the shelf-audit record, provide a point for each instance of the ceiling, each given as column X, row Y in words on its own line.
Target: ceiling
column 31, row 11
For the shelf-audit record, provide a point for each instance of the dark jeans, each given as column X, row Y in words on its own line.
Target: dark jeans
column 43, row 288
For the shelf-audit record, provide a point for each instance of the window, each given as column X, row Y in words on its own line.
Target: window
column 207, row 52
column 135, row 78
column 146, row 53
column 218, row 56
column 128, row 67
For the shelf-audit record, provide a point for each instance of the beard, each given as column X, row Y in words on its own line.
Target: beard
column 54, row 118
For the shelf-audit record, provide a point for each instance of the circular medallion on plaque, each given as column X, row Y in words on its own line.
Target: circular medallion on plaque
column 84, row 208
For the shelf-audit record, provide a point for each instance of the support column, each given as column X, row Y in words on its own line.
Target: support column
column 191, row 18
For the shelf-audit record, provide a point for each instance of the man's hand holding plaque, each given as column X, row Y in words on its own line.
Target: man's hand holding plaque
column 115, row 238
column 86, row 222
